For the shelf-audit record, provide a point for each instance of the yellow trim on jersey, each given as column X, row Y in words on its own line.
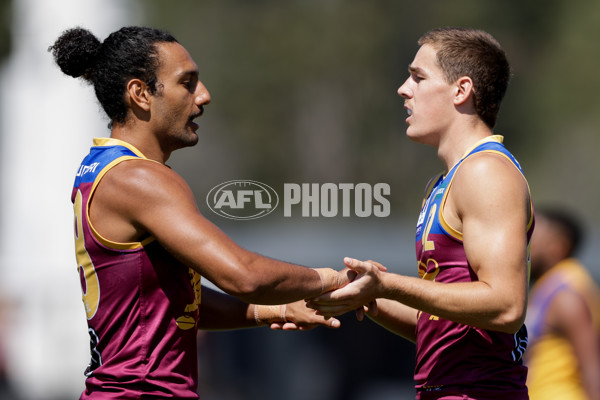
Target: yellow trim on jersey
column 117, row 142
column 106, row 242
column 447, row 227
column 493, row 138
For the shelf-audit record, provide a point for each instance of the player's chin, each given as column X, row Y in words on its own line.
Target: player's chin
column 410, row 132
column 191, row 138
column 415, row 136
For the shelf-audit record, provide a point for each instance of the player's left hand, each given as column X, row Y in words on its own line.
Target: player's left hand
column 301, row 318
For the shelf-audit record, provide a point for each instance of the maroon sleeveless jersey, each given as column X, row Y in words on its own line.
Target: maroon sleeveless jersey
column 452, row 356
column 141, row 303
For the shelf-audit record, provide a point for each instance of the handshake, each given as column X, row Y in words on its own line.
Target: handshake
column 355, row 288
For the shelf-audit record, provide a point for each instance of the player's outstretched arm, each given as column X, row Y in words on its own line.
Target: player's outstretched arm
column 149, row 197
column 494, row 215
column 221, row 311
column 299, row 317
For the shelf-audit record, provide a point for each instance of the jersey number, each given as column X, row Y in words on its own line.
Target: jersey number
column 89, row 284
column 429, row 244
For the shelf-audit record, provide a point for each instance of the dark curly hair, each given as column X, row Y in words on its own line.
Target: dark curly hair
column 476, row 54
column 127, row 53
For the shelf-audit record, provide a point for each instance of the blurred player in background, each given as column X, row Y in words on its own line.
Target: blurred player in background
column 466, row 312
column 142, row 244
column 563, row 315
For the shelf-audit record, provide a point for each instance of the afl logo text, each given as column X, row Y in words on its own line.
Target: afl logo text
column 243, row 199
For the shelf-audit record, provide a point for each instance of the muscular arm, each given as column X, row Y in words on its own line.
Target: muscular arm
column 141, row 197
column 489, row 203
column 221, row 311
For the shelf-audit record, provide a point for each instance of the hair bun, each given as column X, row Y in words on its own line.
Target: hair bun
column 75, row 52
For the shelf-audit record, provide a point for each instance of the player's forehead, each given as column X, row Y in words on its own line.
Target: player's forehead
column 425, row 61
column 174, row 61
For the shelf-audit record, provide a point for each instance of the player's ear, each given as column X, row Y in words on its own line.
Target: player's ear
column 138, row 94
column 463, row 90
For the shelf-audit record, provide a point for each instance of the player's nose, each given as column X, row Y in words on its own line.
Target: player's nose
column 202, row 95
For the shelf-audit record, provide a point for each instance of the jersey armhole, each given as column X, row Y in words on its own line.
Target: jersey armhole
column 430, row 185
column 101, row 239
column 455, row 233
column 450, row 231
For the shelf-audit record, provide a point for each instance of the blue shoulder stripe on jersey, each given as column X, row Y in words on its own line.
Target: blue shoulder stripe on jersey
column 98, row 158
column 497, row 147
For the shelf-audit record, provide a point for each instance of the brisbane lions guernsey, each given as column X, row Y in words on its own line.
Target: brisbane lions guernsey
column 141, row 303
column 453, row 356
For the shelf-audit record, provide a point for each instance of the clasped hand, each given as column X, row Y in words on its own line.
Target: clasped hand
column 359, row 290
column 359, row 295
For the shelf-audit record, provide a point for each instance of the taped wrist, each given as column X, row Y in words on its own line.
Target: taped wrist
column 329, row 279
column 264, row 315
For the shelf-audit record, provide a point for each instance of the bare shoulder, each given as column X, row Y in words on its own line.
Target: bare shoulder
column 490, row 167
column 139, row 196
column 491, row 180
column 487, row 186
column 144, row 179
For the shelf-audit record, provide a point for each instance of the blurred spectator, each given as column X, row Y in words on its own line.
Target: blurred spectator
column 563, row 316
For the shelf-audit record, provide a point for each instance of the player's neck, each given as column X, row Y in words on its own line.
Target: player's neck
column 456, row 142
column 141, row 140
